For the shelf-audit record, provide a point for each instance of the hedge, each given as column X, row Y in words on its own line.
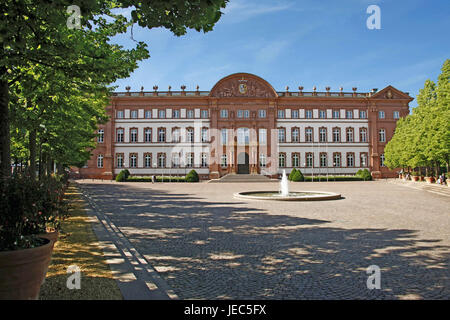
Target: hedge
column 333, row 178
column 157, row 179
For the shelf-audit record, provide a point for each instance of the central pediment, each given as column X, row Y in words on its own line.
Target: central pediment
column 243, row 85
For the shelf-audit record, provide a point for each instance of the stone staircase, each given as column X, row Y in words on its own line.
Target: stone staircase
column 238, row 178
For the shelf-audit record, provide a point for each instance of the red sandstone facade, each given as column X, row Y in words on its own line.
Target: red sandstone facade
column 266, row 131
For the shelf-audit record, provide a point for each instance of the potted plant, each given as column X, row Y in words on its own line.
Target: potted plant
column 27, row 206
column 415, row 176
column 430, row 179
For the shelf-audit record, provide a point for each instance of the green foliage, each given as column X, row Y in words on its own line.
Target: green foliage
column 298, row 176
column 364, row 174
column 192, row 176
column 157, row 179
column 291, row 174
column 423, row 137
column 28, row 207
column 56, row 79
column 332, row 178
column 127, row 173
column 122, row 176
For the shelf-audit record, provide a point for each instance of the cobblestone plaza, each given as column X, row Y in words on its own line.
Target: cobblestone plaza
column 204, row 244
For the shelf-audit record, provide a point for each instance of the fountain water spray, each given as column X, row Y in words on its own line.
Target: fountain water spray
column 284, row 186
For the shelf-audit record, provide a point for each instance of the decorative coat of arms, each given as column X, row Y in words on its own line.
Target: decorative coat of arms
column 243, row 88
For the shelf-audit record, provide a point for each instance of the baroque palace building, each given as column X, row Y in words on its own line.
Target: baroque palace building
column 244, row 126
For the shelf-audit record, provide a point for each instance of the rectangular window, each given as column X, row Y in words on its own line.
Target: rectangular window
column 246, row 114
column 363, row 135
column 176, row 137
column 336, row 114
column 349, row 133
column 147, row 135
column 190, row 114
column 240, row 113
column 224, row 113
column 281, row 160
column 223, row 161
column 349, row 114
column 119, row 135
column 148, row 160
column 309, row 114
column 309, row 135
column 362, row 114
column 322, row 114
column 100, row 161
column 119, row 160
column 133, row 135
column 262, row 160
column 382, row 159
column 262, row 113
column 294, row 114
column 396, row 115
column 382, row 135
column 161, row 135
column 204, row 160
column 189, row 159
column 101, row 136
column 295, row 135
column 175, row 160
column 363, row 159
column 204, row 114
column 336, row 159
column 133, row 160
column 323, row 160
column 224, row 136
column 323, row 135
column 190, row 135
column 281, row 135
column 204, row 134
column 350, row 160
column 176, row 114
column 309, row 160
column 281, row 114
column 134, row 114
column 262, row 136
column 161, row 160
column 161, row 114
column 336, row 135
column 295, row 160
column 148, row 114
column 119, row 114
column 381, row 115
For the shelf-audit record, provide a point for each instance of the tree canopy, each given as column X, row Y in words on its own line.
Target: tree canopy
column 55, row 80
column 422, row 139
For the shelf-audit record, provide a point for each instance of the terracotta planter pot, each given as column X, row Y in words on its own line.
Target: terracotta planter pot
column 422, row 178
column 415, row 178
column 22, row 272
column 430, row 179
column 52, row 236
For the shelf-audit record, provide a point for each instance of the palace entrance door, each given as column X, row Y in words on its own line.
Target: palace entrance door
column 243, row 163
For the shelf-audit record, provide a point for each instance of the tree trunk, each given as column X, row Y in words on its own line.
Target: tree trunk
column 5, row 143
column 33, row 147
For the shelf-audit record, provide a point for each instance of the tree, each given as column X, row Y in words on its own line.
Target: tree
column 36, row 32
column 422, row 139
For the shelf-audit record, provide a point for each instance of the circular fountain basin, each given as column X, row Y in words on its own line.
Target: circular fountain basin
column 292, row 196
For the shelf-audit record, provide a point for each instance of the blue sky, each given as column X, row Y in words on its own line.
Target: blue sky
column 309, row 43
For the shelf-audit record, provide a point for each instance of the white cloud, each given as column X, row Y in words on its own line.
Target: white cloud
column 238, row 10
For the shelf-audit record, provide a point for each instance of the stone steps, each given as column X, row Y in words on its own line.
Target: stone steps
column 231, row 178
